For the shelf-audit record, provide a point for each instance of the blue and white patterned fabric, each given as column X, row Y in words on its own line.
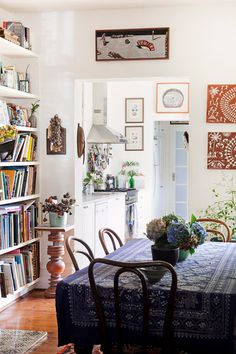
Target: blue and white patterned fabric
column 205, row 304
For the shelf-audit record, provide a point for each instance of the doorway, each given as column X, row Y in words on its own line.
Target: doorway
column 171, row 169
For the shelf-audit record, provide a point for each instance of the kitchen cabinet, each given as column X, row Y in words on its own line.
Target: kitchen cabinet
column 116, row 211
column 99, row 213
column 101, row 221
column 87, row 231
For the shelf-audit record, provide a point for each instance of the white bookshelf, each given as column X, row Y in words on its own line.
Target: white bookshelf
column 7, row 92
column 18, row 163
column 19, row 199
column 7, row 301
column 13, row 51
column 26, row 129
column 10, row 49
column 5, row 250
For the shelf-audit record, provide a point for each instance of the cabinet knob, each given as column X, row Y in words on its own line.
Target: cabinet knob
column 85, row 207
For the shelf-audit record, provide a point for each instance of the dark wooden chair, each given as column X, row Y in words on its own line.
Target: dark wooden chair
column 86, row 250
column 112, row 235
column 218, row 228
column 167, row 337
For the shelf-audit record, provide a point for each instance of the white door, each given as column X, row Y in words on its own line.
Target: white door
column 171, row 170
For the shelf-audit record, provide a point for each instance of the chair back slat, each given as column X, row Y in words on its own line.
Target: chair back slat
column 225, row 235
column 87, row 252
column 134, row 268
column 114, row 238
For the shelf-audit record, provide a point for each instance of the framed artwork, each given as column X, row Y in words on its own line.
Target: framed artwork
column 134, row 135
column 221, row 151
column 221, row 104
column 173, row 97
column 134, row 110
column 132, row 44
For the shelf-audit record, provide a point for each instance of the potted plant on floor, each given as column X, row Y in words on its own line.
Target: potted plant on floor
column 57, row 211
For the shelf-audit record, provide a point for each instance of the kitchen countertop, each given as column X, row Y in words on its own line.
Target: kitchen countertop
column 100, row 196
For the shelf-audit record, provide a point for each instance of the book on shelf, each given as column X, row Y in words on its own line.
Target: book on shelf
column 17, row 224
column 9, row 35
column 22, row 33
column 17, row 181
column 19, row 268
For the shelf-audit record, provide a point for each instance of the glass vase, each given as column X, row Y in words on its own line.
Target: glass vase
column 131, row 182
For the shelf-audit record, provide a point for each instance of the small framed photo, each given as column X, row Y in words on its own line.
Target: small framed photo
column 173, row 97
column 134, row 108
column 135, row 138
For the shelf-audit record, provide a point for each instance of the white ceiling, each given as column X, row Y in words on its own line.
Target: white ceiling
column 42, row 5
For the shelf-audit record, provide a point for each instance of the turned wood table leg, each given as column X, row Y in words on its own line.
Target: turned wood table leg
column 55, row 265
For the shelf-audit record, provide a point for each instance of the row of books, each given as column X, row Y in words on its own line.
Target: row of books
column 11, row 78
column 14, row 114
column 17, row 224
column 17, row 181
column 19, row 268
column 24, row 148
column 22, row 33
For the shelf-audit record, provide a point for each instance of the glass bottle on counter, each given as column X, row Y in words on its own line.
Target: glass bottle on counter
column 131, row 182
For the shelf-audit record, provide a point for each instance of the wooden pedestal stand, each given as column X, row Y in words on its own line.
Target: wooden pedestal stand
column 56, row 250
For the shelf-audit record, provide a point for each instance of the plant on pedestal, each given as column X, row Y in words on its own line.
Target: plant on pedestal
column 56, row 210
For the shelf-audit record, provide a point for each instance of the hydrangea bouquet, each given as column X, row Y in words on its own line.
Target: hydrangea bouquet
column 156, row 229
column 186, row 236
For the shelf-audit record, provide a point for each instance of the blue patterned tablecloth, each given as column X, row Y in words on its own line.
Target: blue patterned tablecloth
column 205, row 304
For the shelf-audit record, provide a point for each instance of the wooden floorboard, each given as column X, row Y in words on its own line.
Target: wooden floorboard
column 33, row 312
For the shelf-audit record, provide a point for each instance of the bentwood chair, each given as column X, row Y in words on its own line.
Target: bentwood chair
column 218, row 230
column 112, row 236
column 85, row 250
column 119, row 345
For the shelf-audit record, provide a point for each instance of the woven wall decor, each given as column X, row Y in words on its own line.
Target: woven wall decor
column 221, row 151
column 221, row 104
column 56, row 137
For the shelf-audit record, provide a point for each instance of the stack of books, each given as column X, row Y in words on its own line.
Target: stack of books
column 9, row 35
column 21, row 32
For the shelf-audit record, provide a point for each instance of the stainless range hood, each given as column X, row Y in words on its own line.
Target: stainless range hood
column 100, row 132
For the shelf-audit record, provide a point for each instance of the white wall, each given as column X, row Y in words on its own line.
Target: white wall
column 201, row 48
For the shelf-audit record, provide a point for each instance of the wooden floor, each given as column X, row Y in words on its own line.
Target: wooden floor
column 33, row 312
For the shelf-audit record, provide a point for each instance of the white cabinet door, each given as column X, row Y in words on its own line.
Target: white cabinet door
column 116, row 221
column 87, row 231
column 101, row 221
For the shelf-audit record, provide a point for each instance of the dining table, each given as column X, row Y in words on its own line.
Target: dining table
column 205, row 307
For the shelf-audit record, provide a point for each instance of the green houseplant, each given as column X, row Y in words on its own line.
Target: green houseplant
column 57, row 210
column 224, row 205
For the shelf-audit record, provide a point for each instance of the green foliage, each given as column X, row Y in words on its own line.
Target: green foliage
column 92, row 178
column 34, row 107
column 130, row 168
column 224, row 206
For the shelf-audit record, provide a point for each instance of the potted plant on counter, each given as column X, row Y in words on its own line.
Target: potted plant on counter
column 56, row 210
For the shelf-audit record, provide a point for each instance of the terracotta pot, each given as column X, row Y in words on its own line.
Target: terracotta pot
column 168, row 254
